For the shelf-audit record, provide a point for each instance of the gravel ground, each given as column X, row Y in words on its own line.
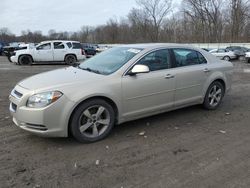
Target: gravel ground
column 190, row 147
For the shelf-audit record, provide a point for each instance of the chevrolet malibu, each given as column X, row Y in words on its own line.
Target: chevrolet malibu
column 121, row 84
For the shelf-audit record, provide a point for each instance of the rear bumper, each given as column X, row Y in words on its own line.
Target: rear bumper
column 81, row 57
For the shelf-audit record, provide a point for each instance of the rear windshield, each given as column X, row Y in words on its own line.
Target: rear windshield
column 77, row 45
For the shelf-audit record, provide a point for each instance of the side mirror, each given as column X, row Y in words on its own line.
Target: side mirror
column 139, row 69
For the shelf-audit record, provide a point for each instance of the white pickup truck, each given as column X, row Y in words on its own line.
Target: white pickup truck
column 50, row 51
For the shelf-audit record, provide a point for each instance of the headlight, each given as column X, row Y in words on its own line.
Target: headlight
column 43, row 99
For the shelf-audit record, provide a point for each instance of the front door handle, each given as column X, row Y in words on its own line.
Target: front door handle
column 206, row 70
column 168, row 76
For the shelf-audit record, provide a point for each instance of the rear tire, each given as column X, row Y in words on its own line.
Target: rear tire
column 70, row 60
column 214, row 96
column 25, row 60
column 92, row 121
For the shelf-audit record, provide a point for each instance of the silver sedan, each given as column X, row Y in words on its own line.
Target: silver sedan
column 223, row 54
column 121, row 84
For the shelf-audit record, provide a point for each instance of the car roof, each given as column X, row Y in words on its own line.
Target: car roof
column 60, row 41
column 159, row 45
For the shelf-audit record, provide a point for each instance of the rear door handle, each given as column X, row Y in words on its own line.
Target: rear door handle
column 206, row 70
column 168, row 76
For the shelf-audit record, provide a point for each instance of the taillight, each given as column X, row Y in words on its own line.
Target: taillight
column 83, row 52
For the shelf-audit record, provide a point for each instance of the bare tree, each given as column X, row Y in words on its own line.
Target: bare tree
column 156, row 10
column 140, row 26
column 206, row 16
column 85, row 33
column 240, row 15
column 6, row 35
column 195, row 21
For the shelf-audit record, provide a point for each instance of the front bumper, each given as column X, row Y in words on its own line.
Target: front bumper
column 14, row 59
column 50, row 121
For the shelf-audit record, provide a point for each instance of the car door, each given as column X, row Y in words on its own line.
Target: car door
column 147, row 93
column 43, row 52
column 191, row 73
column 59, row 51
column 221, row 53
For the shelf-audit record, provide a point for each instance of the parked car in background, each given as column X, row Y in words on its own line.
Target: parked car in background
column 239, row 51
column 121, row 84
column 101, row 48
column 223, row 54
column 247, row 56
column 51, row 51
column 2, row 45
column 10, row 49
column 89, row 49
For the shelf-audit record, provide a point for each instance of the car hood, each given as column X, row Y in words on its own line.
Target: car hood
column 59, row 78
column 22, row 51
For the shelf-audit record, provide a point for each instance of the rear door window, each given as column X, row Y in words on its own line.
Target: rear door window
column 188, row 57
column 46, row 46
column 221, row 50
column 58, row 45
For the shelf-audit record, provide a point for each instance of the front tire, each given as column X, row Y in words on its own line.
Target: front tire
column 25, row 60
column 92, row 121
column 214, row 96
column 70, row 59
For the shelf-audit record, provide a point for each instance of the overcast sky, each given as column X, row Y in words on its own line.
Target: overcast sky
column 61, row 15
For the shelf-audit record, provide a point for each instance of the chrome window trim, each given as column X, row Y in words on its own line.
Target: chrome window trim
column 164, row 48
column 139, row 58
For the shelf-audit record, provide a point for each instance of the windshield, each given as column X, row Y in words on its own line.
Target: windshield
column 109, row 61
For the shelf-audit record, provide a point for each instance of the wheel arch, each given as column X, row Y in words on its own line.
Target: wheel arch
column 226, row 56
column 219, row 79
column 107, row 99
column 19, row 56
column 70, row 54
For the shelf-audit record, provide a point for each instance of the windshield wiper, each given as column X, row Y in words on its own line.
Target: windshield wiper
column 90, row 70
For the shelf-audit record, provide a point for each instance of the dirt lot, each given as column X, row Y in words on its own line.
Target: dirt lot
column 191, row 147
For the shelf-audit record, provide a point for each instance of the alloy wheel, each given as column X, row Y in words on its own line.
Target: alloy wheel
column 226, row 58
column 71, row 60
column 215, row 95
column 94, row 121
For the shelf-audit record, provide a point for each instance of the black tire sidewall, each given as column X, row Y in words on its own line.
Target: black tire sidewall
column 24, row 56
column 69, row 63
column 74, row 126
column 206, row 104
